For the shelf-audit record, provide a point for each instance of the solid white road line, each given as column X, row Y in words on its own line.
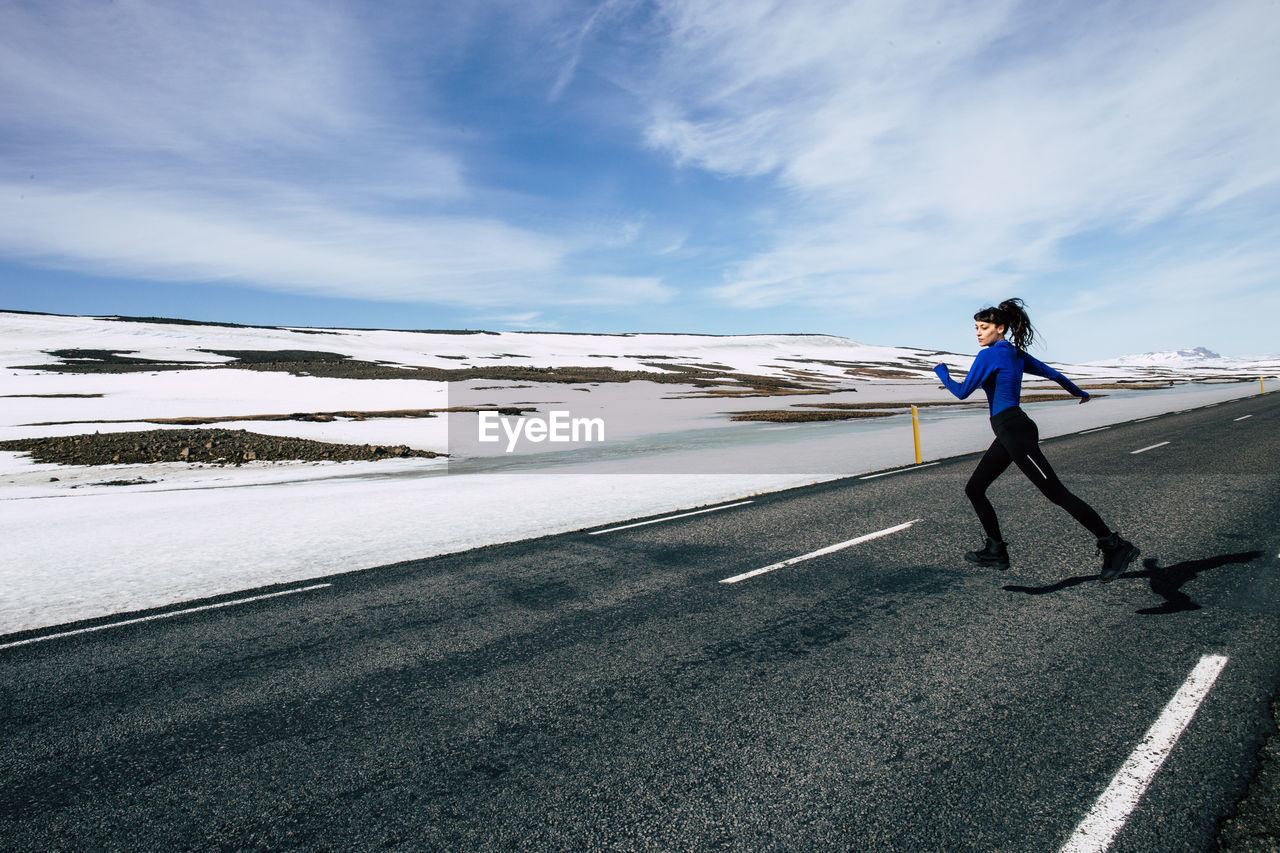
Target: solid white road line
column 827, row 550
column 165, row 615
column 1242, row 418
column 669, row 518
column 1096, row 832
column 899, row 471
column 1095, row 429
column 1145, row 449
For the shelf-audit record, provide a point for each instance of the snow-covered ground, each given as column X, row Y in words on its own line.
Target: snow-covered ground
column 76, row 548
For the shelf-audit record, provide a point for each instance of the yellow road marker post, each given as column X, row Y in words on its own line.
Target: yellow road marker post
column 915, row 431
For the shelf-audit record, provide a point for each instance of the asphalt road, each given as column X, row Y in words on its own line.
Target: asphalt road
column 607, row 691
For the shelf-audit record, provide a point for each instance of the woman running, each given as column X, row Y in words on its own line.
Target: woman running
column 998, row 371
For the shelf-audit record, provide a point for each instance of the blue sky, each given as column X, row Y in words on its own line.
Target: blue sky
column 876, row 170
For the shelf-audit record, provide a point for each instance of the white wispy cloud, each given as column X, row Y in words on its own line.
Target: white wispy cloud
column 758, row 160
column 311, row 249
column 579, row 40
column 191, row 78
column 273, row 145
column 947, row 145
column 619, row 290
column 523, row 321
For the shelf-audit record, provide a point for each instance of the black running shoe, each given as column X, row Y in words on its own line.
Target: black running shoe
column 1117, row 554
column 994, row 554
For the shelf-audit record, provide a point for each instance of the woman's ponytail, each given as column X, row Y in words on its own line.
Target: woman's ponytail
column 1012, row 314
column 1015, row 312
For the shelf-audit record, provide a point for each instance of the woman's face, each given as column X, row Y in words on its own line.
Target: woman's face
column 988, row 333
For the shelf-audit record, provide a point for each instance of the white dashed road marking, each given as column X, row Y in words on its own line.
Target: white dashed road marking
column 168, row 615
column 669, row 518
column 1145, row 449
column 1095, row 429
column 821, row 551
column 1096, row 832
column 1243, row 418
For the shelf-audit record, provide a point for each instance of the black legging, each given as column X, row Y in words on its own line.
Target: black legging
column 1018, row 440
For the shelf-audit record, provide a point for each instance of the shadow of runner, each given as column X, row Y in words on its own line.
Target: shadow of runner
column 1166, row 582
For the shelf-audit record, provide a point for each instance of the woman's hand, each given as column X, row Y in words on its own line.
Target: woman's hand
column 1086, row 398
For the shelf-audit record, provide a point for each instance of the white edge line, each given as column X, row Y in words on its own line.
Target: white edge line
column 168, row 615
column 1152, row 418
column 1095, row 429
column 669, row 518
column 821, row 551
column 1242, row 418
column 1145, row 449
column 1096, row 832
column 899, row 471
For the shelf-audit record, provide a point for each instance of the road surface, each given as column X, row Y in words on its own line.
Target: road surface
column 610, row 690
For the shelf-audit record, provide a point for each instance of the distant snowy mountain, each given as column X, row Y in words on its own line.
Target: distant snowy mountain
column 1196, row 354
column 1195, row 357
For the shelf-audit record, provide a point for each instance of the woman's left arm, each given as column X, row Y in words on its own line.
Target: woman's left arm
column 1033, row 365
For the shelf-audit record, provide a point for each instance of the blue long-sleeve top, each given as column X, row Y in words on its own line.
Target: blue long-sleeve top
column 998, row 370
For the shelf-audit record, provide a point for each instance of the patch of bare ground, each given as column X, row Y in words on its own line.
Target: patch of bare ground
column 883, row 373
column 307, row 417
column 105, row 361
column 333, row 365
column 1126, row 386
column 890, row 405
column 1026, row 398
column 208, row 446
column 1049, row 398
column 700, row 377
column 51, row 396
column 1171, row 379
column 797, row 416
column 808, row 375
column 711, row 393
column 913, row 369
column 808, row 412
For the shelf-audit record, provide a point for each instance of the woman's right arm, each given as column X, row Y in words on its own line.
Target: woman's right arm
column 981, row 368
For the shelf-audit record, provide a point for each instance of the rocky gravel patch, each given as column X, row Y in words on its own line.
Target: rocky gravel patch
column 207, row 446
